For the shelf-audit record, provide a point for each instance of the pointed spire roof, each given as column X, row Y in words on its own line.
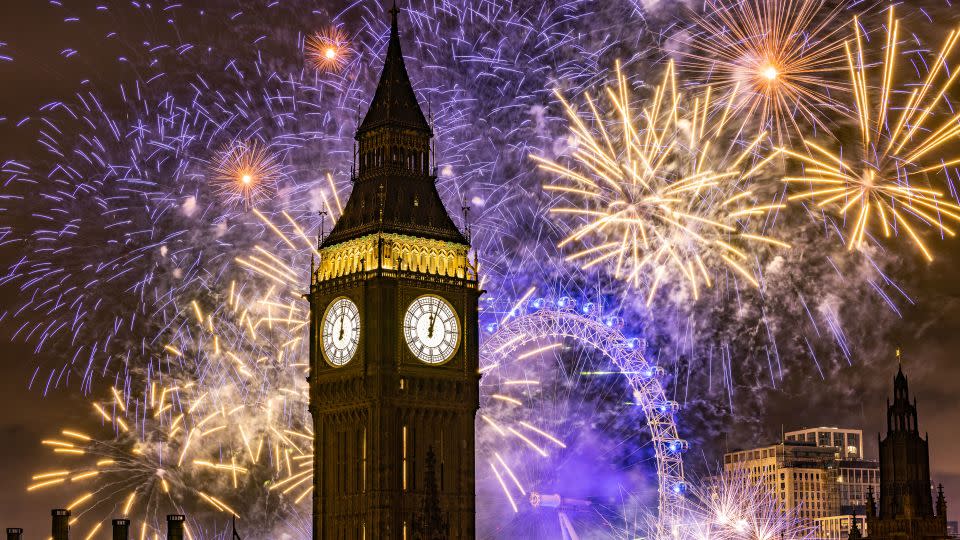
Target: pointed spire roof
column 394, row 102
column 855, row 533
column 431, row 523
column 901, row 390
column 395, row 190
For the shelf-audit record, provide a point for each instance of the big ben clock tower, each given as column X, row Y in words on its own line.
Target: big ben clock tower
column 394, row 340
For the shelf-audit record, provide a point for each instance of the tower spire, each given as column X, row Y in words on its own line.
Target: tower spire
column 394, row 159
column 394, row 102
column 431, row 524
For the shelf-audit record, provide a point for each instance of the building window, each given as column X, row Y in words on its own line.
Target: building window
column 853, row 441
column 824, row 439
column 404, row 468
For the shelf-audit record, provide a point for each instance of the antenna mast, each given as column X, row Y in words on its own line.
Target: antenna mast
column 323, row 223
column 465, row 208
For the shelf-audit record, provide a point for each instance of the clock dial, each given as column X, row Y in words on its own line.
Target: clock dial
column 341, row 331
column 431, row 329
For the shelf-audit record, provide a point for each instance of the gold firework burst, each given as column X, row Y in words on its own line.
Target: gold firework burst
column 329, row 50
column 888, row 180
column 776, row 58
column 662, row 191
column 246, row 172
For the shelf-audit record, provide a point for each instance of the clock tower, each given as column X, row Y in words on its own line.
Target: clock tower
column 394, row 347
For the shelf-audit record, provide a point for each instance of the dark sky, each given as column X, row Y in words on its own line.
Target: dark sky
column 929, row 334
column 26, row 417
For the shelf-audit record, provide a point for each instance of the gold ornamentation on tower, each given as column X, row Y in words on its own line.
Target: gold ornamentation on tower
column 394, row 383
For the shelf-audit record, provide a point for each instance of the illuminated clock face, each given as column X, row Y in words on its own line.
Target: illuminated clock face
column 431, row 329
column 341, row 331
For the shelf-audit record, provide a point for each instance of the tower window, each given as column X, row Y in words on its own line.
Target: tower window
column 404, row 467
column 363, row 463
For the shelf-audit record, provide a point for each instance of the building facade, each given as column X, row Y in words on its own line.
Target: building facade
column 839, row 527
column 856, row 478
column 799, row 475
column 807, row 472
column 906, row 508
column 848, row 442
column 394, row 383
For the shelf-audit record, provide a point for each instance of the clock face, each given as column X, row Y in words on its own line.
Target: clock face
column 341, row 331
column 431, row 329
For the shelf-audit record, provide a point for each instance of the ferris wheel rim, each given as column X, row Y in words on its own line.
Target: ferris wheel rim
column 641, row 375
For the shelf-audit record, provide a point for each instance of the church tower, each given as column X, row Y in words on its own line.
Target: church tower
column 394, row 383
column 906, row 508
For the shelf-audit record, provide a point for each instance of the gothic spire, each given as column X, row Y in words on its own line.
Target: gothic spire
column 901, row 415
column 394, row 102
column 855, row 533
column 430, row 523
column 394, row 188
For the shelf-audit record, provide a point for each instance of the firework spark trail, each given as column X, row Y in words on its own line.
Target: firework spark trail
column 654, row 194
column 151, row 464
column 330, row 50
column 131, row 217
column 728, row 506
column 131, row 233
column 777, row 60
column 246, row 172
column 231, row 417
column 887, row 183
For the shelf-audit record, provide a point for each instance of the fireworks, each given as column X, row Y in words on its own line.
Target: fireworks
column 735, row 507
column 210, row 443
column 247, row 172
column 775, row 58
column 134, row 217
column 887, row 183
column 329, row 50
column 560, row 389
column 654, row 193
column 151, row 257
column 149, row 467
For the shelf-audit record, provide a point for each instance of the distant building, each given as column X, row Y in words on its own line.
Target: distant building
column 848, row 442
column 855, row 479
column 838, row 527
column 818, row 471
column 906, row 509
column 799, row 474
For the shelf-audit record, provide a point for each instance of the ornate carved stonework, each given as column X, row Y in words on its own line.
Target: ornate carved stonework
column 906, row 510
column 393, row 432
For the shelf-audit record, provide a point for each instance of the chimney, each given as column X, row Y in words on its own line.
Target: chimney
column 175, row 527
column 61, row 524
column 121, row 529
column 14, row 534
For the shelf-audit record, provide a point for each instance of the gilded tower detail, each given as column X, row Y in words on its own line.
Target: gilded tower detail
column 394, row 356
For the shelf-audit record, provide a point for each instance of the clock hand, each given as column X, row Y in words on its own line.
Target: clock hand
column 341, row 328
column 433, row 319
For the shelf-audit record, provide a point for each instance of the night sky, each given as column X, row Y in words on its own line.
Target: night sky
column 846, row 395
